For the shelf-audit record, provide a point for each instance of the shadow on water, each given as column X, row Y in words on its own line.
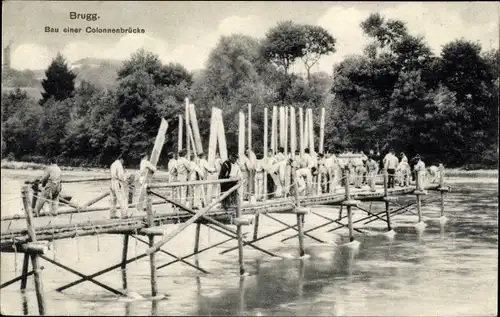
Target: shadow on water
column 444, row 269
column 279, row 285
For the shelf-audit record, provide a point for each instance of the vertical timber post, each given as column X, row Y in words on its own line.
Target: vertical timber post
column 197, row 237
column 349, row 207
column 266, row 150
column 34, row 257
column 240, row 238
column 150, row 217
column 24, row 279
column 441, row 187
column 418, row 190
column 300, row 215
column 386, row 200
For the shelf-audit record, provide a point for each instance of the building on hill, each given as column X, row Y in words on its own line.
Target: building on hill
column 6, row 58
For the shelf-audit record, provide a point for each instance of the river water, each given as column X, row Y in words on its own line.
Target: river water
column 446, row 269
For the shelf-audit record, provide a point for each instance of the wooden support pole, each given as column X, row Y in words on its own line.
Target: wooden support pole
column 195, row 129
column 322, row 131
column 311, row 132
column 418, row 182
column 281, row 131
column 221, row 135
column 349, row 207
column 306, row 129
column 172, row 234
column 24, row 272
column 95, row 200
column 155, row 155
column 419, row 208
column 256, row 226
column 186, row 114
column 124, row 251
column 286, row 128
column 179, row 137
column 300, row 224
column 34, row 257
column 293, row 132
column 386, row 201
column 197, row 237
column 189, row 210
column 240, row 239
column 249, row 127
column 152, row 260
column 212, row 140
column 300, row 216
column 266, row 135
column 441, row 186
column 274, row 130
column 301, row 131
column 241, row 134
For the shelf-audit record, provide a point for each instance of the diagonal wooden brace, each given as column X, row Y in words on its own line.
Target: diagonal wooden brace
column 86, row 277
column 260, row 238
column 288, row 226
column 172, row 234
column 194, row 253
column 174, row 256
column 101, row 272
column 19, row 278
column 247, row 242
column 330, row 221
column 191, row 211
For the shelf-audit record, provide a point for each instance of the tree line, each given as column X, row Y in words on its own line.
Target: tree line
column 396, row 93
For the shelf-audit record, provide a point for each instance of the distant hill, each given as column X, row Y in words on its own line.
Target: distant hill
column 100, row 72
column 33, row 92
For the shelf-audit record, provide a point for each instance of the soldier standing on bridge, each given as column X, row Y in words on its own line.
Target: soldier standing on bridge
column 51, row 182
column 117, row 189
column 230, row 169
column 390, row 164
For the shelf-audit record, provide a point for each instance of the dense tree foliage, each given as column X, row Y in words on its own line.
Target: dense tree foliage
column 398, row 94
column 59, row 82
column 395, row 93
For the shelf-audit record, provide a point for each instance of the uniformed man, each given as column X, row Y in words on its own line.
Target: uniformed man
column 206, row 174
column 390, row 164
column 230, row 169
column 183, row 168
column 51, row 183
column 118, row 193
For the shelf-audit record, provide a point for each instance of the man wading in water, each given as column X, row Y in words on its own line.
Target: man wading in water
column 229, row 169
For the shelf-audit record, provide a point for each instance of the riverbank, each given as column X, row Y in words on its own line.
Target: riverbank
column 15, row 165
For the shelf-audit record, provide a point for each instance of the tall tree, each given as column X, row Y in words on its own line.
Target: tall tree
column 59, row 82
column 234, row 76
column 284, row 44
column 318, row 42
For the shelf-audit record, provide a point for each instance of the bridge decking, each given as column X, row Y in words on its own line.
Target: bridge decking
column 134, row 225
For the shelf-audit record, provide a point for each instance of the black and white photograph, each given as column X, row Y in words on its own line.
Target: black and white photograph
column 249, row 158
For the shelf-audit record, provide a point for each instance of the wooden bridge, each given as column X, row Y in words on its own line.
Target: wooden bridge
column 155, row 211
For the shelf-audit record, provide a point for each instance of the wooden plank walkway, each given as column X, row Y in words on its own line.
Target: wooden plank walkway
column 11, row 240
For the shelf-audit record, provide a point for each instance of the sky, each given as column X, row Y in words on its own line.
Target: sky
column 186, row 31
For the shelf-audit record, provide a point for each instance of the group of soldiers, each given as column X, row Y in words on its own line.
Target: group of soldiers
column 315, row 173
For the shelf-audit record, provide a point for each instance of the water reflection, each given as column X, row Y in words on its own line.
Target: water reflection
column 24, row 299
column 443, row 270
